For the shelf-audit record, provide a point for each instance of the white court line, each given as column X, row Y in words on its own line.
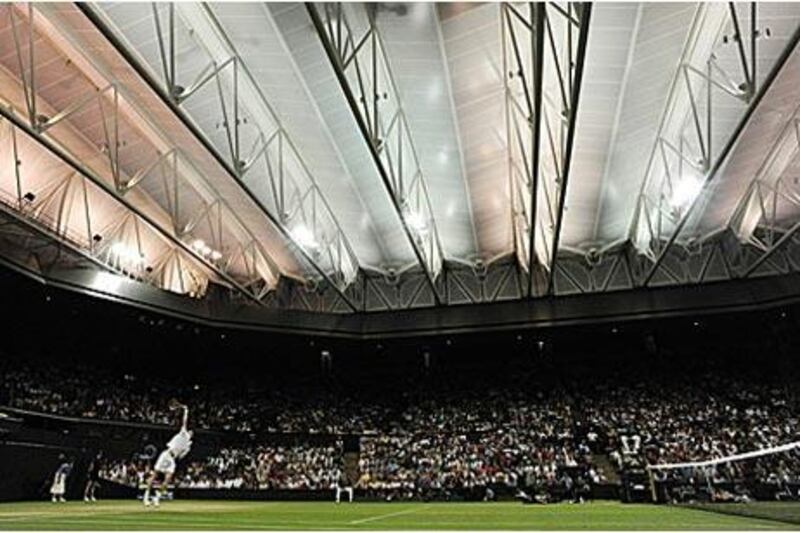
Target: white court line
column 251, row 525
column 72, row 511
column 36, row 515
column 387, row 515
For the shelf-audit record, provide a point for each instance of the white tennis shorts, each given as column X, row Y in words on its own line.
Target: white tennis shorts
column 165, row 463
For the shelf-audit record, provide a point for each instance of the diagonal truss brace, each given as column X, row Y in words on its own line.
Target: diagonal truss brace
column 297, row 202
column 544, row 49
column 170, row 171
column 687, row 148
column 360, row 63
column 252, row 150
column 103, row 103
column 44, row 130
column 19, row 125
column 757, row 220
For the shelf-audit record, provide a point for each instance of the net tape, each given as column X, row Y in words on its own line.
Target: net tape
column 730, row 458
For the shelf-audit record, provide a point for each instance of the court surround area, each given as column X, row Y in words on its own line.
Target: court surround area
column 323, row 516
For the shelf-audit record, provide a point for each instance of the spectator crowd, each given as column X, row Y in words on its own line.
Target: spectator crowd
column 265, row 467
column 528, row 433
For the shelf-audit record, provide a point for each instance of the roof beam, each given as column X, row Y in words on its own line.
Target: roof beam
column 571, row 114
column 765, row 201
column 363, row 57
column 769, row 252
column 125, row 120
column 754, row 99
column 53, row 148
column 123, row 124
column 168, row 91
column 653, row 211
column 745, row 217
column 177, row 172
column 302, row 201
column 521, row 117
column 536, row 30
column 542, row 95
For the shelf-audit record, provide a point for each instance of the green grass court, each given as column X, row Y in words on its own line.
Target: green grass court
column 323, row 516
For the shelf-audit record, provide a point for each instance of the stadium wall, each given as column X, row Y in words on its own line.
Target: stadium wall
column 27, row 468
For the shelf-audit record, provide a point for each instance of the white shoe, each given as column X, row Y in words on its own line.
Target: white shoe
column 93, row 499
column 147, row 503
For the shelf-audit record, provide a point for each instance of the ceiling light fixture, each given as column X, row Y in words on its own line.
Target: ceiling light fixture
column 126, row 253
column 416, row 221
column 304, row 237
column 687, row 189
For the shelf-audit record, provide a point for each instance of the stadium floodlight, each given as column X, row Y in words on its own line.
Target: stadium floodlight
column 200, row 246
column 416, row 222
column 305, row 237
column 126, row 253
column 685, row 192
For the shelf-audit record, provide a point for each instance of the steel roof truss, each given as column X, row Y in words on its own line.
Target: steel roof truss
column 688, row 123
column 361, row 64
column 271, row 156
column 543, row 57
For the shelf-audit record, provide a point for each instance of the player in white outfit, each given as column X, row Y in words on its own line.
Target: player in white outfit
column 343, row 485
column 59, row 486
column 177, row 448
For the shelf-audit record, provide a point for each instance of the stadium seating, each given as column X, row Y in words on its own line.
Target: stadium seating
column 527, row 432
